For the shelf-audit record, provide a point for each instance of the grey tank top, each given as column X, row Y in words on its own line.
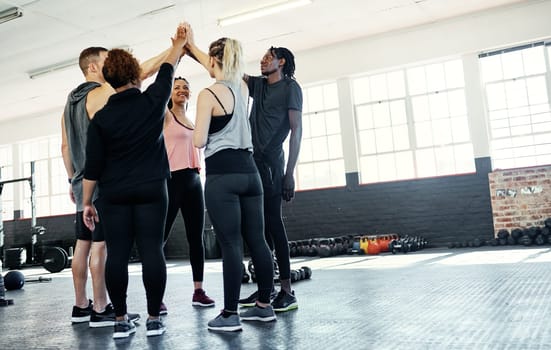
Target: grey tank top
column 237, row 133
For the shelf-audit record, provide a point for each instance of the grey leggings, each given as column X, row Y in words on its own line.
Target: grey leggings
column 234, row 204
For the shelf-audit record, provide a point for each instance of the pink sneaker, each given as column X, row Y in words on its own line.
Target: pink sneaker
column 200, row 298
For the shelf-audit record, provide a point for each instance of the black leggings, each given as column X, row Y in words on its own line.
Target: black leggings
column 276, row 236
column 271, row 172
column 234, row 203
column 185, row 193
column 135, row 214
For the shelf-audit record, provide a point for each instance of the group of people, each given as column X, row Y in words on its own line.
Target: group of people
column 133, row 162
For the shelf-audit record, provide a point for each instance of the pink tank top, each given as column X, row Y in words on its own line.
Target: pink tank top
column 179, row 145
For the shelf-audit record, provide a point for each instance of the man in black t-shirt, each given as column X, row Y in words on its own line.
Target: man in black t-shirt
column 276, row 110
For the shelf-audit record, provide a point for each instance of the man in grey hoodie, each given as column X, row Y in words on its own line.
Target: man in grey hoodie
column 90, row 250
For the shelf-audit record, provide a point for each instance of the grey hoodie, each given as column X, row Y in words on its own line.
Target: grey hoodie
column 76, row 127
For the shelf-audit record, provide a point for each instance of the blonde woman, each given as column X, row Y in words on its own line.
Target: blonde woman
column 233, row 189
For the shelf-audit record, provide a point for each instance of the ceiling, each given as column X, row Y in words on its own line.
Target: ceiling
column 53, row 32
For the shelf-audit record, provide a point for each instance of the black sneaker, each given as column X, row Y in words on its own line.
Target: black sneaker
column 107, row 317
column 155, row 327
column 80, row 315
column 285, row 301
column 250, row 301
column 123, row 329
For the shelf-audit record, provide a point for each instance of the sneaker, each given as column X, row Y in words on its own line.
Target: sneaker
column 155, row 327
column 256, row 313
column 285, row 301
column 200, row 298
column 107, row 317
column 250, row 301
column 82, row 314
column 123, row 329
column 163, row 311
column 225, row 324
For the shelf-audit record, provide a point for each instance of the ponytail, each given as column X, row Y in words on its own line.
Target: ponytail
column 228, row 53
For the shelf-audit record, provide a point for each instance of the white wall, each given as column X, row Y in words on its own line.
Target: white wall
column 464, row 36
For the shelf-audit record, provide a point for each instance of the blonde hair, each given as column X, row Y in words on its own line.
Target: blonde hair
column 228, row 54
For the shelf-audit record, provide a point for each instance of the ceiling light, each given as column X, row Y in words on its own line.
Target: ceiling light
column 9, row 14
column 262, row 11
column 37, row 73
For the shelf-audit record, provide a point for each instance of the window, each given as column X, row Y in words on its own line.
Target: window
column 413, row 123
column 321, row 162
column 6, row 173
column 517, row 98
column 51, row 187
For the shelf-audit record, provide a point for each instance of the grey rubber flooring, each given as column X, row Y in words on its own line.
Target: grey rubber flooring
column 485, row 298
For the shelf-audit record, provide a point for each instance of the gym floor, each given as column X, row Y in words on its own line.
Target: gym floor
column 472, row 298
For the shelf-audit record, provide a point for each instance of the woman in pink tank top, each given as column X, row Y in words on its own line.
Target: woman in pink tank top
column 185, row 192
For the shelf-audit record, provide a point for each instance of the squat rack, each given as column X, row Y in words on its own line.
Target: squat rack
column 40, row 230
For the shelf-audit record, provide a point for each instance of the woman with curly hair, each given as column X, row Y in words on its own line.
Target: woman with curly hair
column 126, row 158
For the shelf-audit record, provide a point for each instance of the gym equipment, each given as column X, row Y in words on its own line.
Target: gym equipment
column 246, row 277
column 303, row 273
column 14, row 280
column 3, row 300
column 16, row 258
column 55, row 259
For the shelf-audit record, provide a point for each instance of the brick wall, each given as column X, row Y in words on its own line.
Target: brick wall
column 442, row 209
column 520, row 197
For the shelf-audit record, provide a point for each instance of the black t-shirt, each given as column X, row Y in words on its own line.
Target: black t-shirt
column 125, row 144
column 270, row 112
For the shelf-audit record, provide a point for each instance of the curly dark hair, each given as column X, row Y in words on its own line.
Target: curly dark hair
column 289, row 66
column 121, row 68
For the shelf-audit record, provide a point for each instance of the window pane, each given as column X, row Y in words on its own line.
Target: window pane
column 495, row 95
column 378, row 87
column 423, row 134
column 537, row 90
column 361, row 90
column 337, row 172
column 456, row 103
column 306, row 133
column 441, row 131
column 317, row 124
column 421, row 109
column 398, row 112
column 381, row 115
column 305, row 154
column 464, row 159
column 364, row 117
column 387, row 167
column 367, row 142
column 438, row 106
column 319, row 148
column 491, row 68
column 516, row 93
column 513, row 66
column 436, row 78
column 369, row 169
column 534, row 60
column 460, row 129
column 315, row 99
column 330, row 96
column 454, row 74
column 383, row 137
column 405, row 168
column 400, row 137
column 333, row 123
column 416, row 81
column 335, row 147
column 426, row 165
column 445, row 161
column 396, row 85
column 305, row 174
